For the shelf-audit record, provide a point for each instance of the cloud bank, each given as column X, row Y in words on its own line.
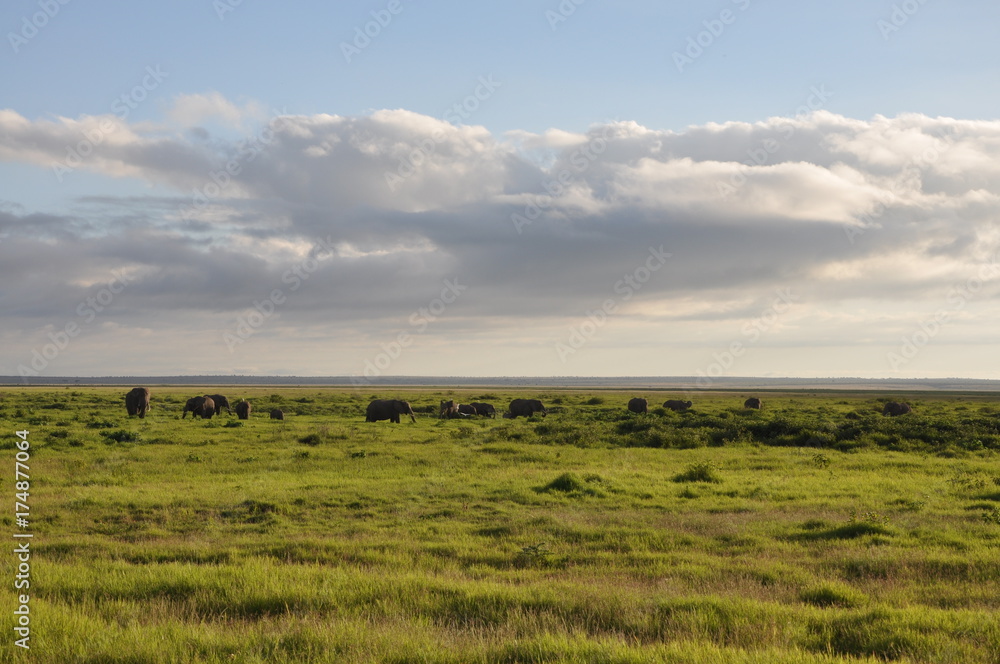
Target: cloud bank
column 327, row 237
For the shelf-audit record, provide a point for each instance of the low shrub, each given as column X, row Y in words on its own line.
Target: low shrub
column 312, row 439
column 122, row 436
column 569, row 483
column 699, row 472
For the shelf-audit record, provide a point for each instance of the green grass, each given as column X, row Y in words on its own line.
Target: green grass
column 812, row 531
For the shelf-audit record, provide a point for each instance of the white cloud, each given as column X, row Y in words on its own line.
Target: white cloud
column 190, row 110
column 893, row 210
column 550, row 139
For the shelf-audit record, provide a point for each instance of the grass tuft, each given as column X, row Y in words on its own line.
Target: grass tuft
column 704, row 471
column 570, row 483
column 122, row 436
column 833, row 595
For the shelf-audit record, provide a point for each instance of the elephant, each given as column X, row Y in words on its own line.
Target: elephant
column 203, row 407
column 466, row 410
column 220, row 403
column 525, row 407
column 388, row 409
column 484, row 409
column 676, row 405
column 137, row 402
column 753, row 402
column 243, row 410
column 448, row 409
column 893, row 408
column 638, row 405
column 277, row 414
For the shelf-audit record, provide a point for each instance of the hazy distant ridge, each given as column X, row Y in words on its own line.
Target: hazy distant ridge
column 649, row 382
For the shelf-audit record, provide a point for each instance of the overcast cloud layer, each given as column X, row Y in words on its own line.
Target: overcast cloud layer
column 397, row 243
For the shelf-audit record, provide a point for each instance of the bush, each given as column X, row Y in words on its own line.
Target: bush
column 312, row 439
column 571, row 484
column 699, row 472
column 122, row 436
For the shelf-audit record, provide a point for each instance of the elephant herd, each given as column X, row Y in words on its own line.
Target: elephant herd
column 206, row 406
column 451, row 409
column 640, row 405
column 391, row 409
column 137, row 403
column 212, row 404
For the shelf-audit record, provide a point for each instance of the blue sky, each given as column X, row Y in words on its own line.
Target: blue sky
column 605, row 60
column 650, row 109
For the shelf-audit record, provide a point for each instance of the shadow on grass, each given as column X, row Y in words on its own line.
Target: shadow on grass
column 846, row 532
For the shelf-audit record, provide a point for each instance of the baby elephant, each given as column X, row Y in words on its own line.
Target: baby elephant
column 895, row 409
column 638, row 405
column 203, row 407
column 243, row 409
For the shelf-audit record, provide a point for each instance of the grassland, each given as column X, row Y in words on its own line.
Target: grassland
column 812, row 531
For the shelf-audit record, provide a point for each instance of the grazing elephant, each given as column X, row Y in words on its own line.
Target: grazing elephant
column 676, row 405
column 484, row 409
column 388, row 409
column 220, row 403
column 243, row 410
column 753, row 402
column 638, row 405
column 525, row 407
column 467, row 410
column 203, row 407
column 448, row 409
column 137, row 402
column 277, row 414
column 893, row 408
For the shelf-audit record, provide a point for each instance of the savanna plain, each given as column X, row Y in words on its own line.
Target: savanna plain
column 812, row 531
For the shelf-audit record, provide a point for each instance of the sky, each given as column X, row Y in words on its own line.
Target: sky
column 526, row 188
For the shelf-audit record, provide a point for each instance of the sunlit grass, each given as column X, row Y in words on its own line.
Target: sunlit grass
column 812, row 531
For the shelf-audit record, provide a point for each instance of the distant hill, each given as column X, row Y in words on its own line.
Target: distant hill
column 691, row 383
